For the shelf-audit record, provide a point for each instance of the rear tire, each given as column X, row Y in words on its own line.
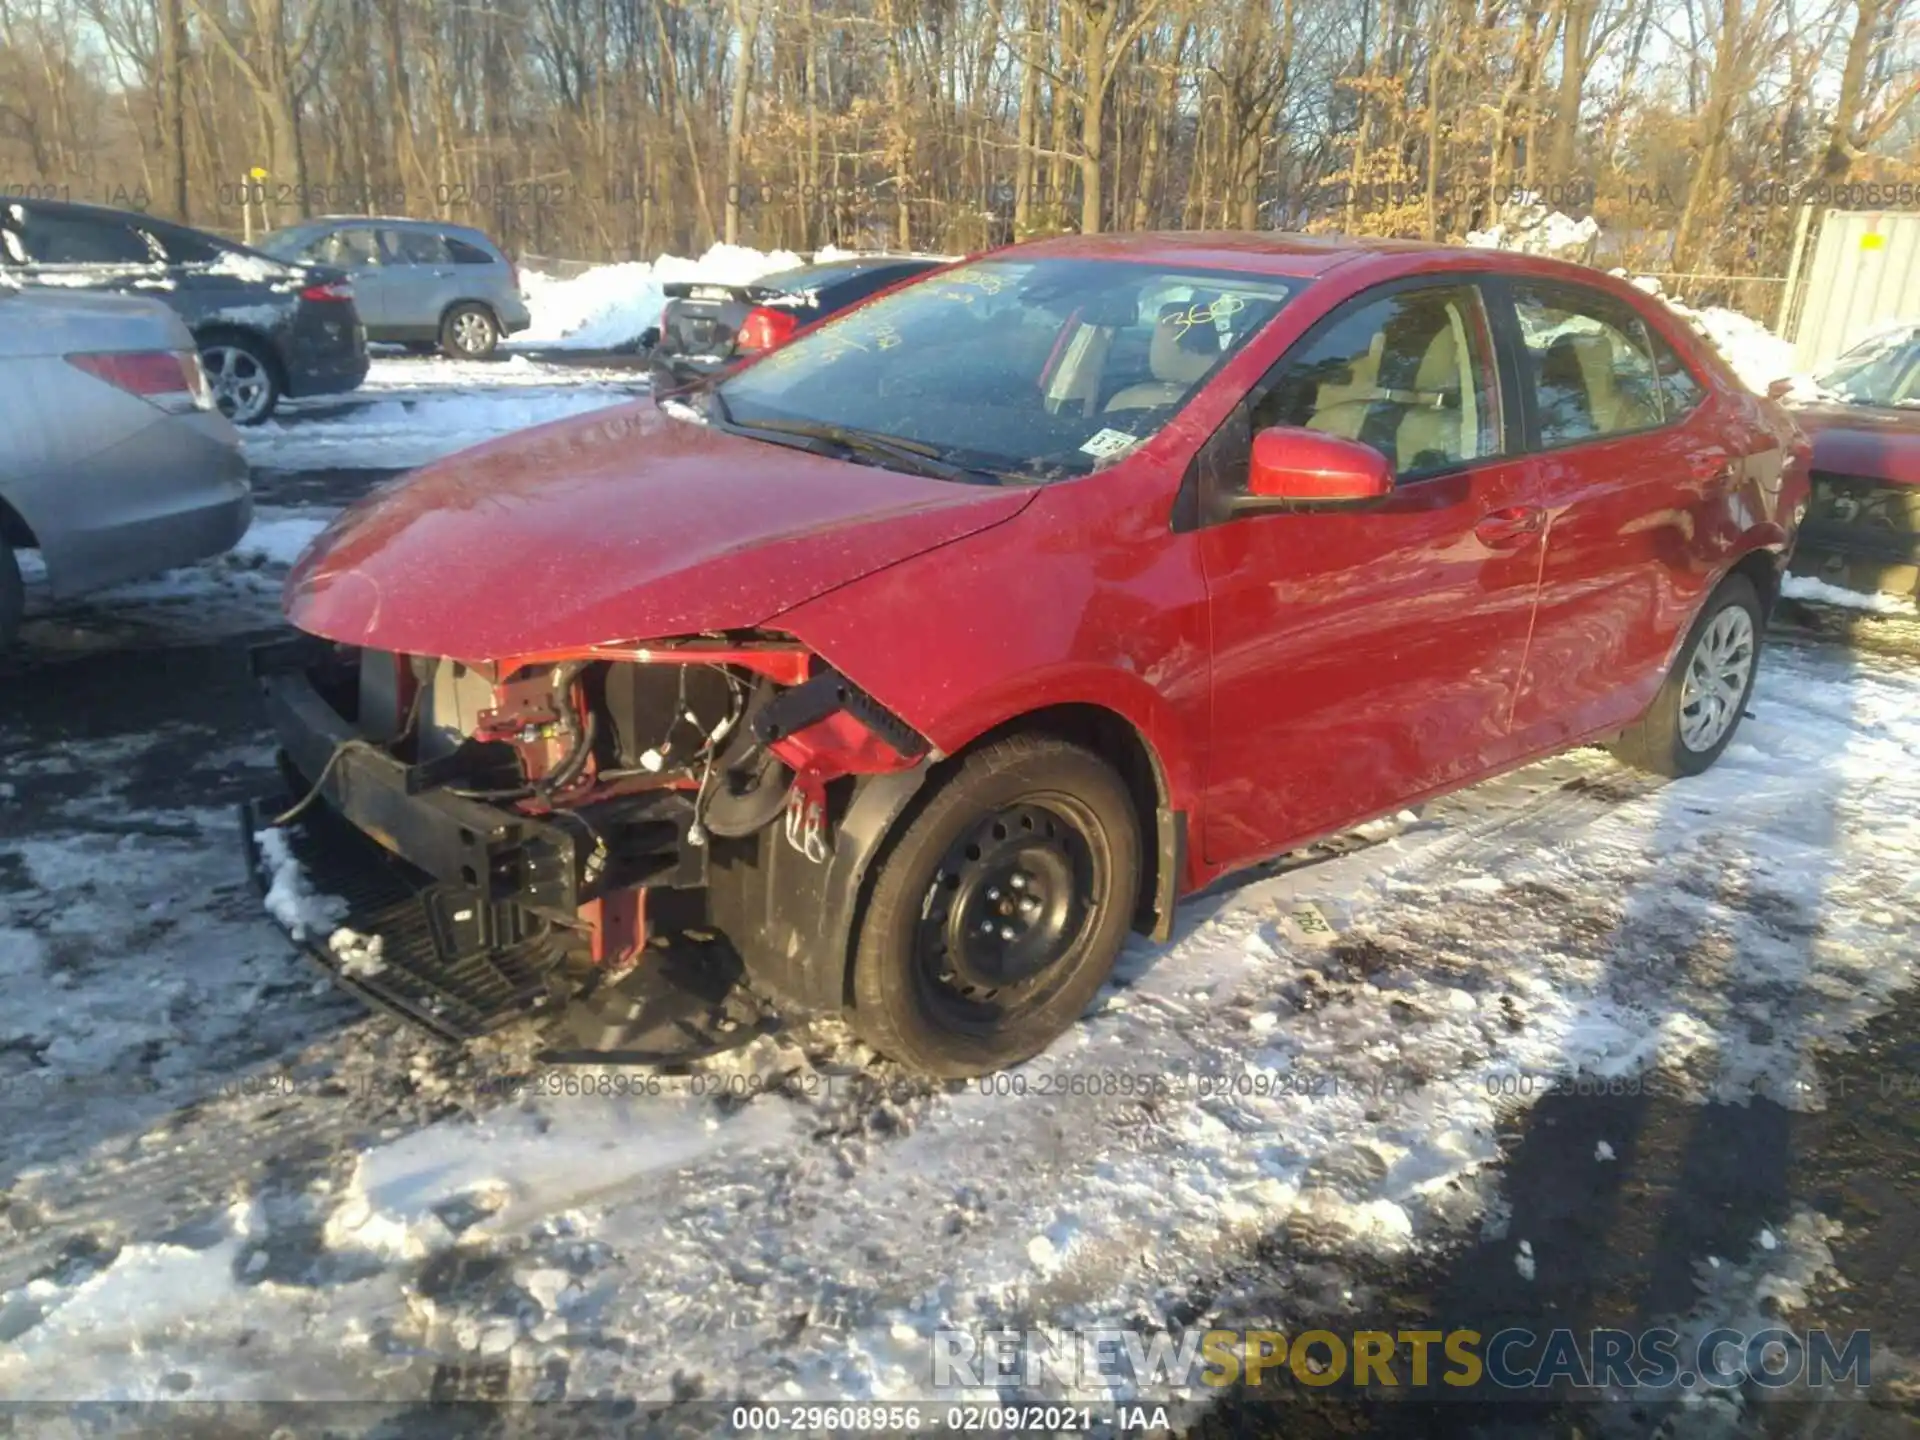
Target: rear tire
column 244, row 377
column 999, row 909
column 1693, row 718
column 13, row 595
column 468, row 332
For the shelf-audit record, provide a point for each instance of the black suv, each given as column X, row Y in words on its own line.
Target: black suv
column 265, row 327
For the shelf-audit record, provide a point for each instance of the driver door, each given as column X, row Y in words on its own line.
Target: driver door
column 1363, row 657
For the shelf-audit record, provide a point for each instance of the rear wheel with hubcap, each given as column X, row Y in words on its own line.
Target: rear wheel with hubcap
column 1693, row 718
column 999, row 910
column 468, row 333
column 241, row 378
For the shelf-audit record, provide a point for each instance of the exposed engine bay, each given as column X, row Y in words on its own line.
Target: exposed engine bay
column 566, row 818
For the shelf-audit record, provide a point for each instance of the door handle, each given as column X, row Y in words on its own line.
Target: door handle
column 1511, row 527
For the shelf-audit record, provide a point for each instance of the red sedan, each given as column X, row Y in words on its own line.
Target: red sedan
column 904, row 672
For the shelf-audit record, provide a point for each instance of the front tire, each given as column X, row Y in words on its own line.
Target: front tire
column 1693, row 718
column 999, row 910
column 468, row 332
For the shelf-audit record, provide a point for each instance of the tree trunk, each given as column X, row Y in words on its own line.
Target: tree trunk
column 746, row 26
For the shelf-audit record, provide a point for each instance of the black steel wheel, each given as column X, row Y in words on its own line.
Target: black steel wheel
column 999, row 909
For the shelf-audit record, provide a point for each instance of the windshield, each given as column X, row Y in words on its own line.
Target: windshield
column 1882, row 371
column 1028, row 370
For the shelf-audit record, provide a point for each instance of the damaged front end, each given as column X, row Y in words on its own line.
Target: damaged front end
column 625, row 839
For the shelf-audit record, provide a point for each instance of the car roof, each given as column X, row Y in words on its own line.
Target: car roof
column 394, row 222
column 1282, row 252
column 80, row 209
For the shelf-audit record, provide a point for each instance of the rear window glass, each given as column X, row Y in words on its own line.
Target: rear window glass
column 82, row 240
column 465, row 254
column 183, row 247
column 414, row 247
column 810, row 277
column 1679, row 390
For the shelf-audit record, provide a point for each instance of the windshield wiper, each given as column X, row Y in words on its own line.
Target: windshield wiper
column 910, row 455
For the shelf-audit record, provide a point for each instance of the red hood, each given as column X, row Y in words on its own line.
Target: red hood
column 1870, row 441
column 619, row 525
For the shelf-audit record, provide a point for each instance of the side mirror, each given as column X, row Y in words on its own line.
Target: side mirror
column 1310, row 467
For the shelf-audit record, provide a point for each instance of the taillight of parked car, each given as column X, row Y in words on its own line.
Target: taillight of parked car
column 328, row 290
column 765, row 328
column 172, row 380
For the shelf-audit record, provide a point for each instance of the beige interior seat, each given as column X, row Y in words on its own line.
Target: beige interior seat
column 1340, row 406
column 1435, row 423
column 1178, row 357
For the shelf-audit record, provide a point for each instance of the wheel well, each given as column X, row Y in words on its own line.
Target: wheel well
column 1114, row 739
column 1761, row 567
column 266, row 348
column 15, row 533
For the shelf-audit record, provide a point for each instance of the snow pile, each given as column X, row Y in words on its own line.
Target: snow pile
column 1757, row 355
column 611, row 304
column 1529, row 227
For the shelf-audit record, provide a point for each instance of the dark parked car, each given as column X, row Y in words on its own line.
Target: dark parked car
column 1863, row 528
column 907, row 669
column 705, row 328
column 265, row 328
column 419, row 283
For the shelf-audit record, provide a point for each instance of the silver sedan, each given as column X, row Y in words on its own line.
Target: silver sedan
column 114, row 463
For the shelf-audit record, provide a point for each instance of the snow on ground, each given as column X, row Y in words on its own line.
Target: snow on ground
column 1317, row 1063
column 610, row 305
column 1808, row 587
column 411, row 411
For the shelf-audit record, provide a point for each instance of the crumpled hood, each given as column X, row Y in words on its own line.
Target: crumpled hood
column 624, row 524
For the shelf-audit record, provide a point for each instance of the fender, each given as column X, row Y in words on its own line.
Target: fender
column 802, row 913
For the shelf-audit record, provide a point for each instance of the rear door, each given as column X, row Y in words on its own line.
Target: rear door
column 1363, row 657
column 356, row 250
column 1626, row 466
column 420, row 282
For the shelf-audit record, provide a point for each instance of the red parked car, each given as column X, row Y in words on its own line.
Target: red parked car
column 1863, row 526
column 904, row 672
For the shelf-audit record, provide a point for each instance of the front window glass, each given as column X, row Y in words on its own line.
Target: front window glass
column 1410, row 374
column 1882, row 371
column 1029, row 370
